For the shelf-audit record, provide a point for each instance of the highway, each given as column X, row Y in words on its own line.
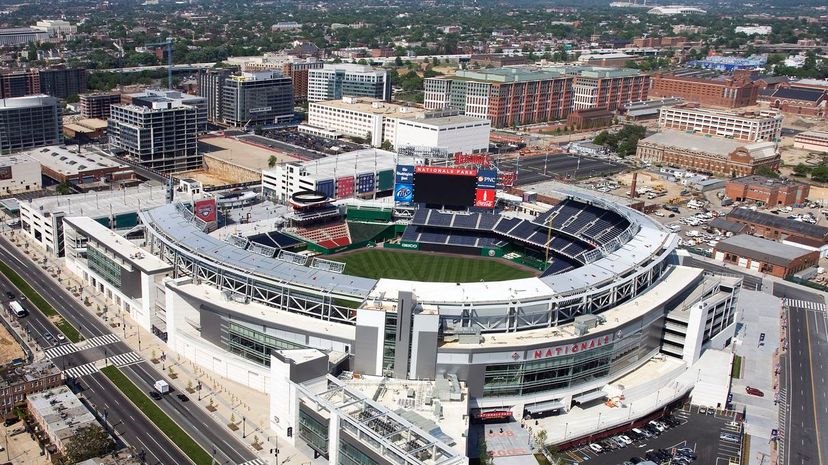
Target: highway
column 802, row 378
column 197, row 423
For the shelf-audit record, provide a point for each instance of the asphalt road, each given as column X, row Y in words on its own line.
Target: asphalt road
column 539, row 168
column 197, row 423
column 804, row 371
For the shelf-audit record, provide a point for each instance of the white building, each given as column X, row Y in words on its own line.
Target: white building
column 747, row 126
column 335, row 81
column 286, row 26
column 19, row 173
column 672, row 10
column 754, row 30
column 400, row 125
column 57, row 27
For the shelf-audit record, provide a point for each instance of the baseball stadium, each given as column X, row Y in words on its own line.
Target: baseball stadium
column 528, row 308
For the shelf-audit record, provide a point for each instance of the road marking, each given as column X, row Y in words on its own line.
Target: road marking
column 813, row 388
column 61, row 350
column 122, row 360
column 254, row 462
column 80, row 370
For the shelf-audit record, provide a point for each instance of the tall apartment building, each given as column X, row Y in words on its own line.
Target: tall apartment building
column 211, row 87
column 159, row 130
column 515, row 96
column 506, row 96
column 97, row 105
column 63, row 82
column 299, row 70
column 257, row 98
column 750, row 127
column 31, row 121
column 332, row 82
column 734, row 91
column 19, row 83
column 607, row 88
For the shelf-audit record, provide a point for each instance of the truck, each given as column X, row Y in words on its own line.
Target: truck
column 17, row 309
column 162, row 386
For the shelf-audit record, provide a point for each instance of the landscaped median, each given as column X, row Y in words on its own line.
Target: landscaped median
column 67, row 329
column 184, row 442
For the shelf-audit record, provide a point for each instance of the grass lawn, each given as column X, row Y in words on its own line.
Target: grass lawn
column 67, row 329
column 424, row 266
column 157, row 416
column 736, row 371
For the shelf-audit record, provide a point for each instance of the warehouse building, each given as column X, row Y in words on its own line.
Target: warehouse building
column 764, row 256
column 812, row 140
column 399, row 125
column 721, row 157
column 767, row 191
column 19, row 173
column 732, row 91
column 69, row 164
column 776, row 227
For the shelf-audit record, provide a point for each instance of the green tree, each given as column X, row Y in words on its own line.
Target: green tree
column 801, row 169
column 258, row 130
column 88, row 442
column 74, row 98
column 767, row 172
column 64, row 188
column 271, row 162
column 387, row 145
column 398, row 61
column 820, row 173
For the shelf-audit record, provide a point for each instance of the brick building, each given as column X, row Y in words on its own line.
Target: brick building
column 797, row 100
column 298, row 71
column 777, row 227
column 764, row 256
column 733, row 91
column 96, row 105
column 19, row 84
column 17, row 383
column 766, row 190
column 498, row 61
column 722, row 157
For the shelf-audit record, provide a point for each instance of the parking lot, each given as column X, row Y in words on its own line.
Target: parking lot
column 715, row 440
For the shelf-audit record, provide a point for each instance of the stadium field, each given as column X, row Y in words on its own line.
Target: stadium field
column 427, row 266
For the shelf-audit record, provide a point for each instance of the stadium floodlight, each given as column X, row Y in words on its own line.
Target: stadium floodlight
column 291, row 257
column 328, row 265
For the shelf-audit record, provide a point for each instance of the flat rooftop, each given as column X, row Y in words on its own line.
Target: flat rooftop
column 118, row 245
column 707, row 144
column 371, row 106
column 16, row 159
column 68, row 161
column 763, row 181
column 27, row 101
column 104, row 203
column 61, row 411
column 757, row 248
column 359, row 161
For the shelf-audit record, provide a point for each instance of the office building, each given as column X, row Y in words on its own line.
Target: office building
column 19, row 83
column 734, row 91
column 63, row 82
column 400, row 125
column 19, row 173
column 768, row 191
column 97, row 105
column 607, row 89
column 60, row 415
column 263, row 98
column 743, row 126
column 159, row 130
column 334, row 81
column 298, row 69
column 31, row 121
column 721, row 157
column 211, row 88
column 22, row 35
column 764, row 256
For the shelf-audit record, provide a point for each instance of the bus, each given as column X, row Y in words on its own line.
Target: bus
column 17, row 309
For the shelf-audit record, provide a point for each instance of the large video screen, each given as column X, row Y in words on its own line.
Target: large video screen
column 445, row 186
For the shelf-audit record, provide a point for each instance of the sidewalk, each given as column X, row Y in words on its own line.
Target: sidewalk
column 242, row 411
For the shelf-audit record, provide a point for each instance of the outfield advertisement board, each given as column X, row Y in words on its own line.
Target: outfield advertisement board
column 403, row 193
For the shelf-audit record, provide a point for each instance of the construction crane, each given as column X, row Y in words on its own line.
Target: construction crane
column 168, row 44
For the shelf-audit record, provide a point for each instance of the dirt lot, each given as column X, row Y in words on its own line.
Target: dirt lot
column 651, row 180
column 9, row 348
column 240, row 153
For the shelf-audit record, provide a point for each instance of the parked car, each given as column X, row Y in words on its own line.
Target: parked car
column 626, row 439
column 754, row 392
column 155, row 395
column 183, row 398
column 10, row 295
column 596, row 448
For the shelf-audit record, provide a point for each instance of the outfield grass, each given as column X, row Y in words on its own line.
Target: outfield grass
column 424, row 266
column 67, row 329
column 181, row 439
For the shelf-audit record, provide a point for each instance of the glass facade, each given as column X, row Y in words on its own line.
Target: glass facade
column 350, row 455
column 389, row 346
column 552, row 373
column 313, row 432
column 255, row 346
column 104, row 266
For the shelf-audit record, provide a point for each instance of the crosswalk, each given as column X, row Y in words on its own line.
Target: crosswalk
column 122, row 360
column 80, row 370
column 807, row 304
column 783, row 421
column 66, row 349
column 254, row 462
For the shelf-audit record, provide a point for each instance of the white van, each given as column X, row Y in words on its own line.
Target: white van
column 17, row 309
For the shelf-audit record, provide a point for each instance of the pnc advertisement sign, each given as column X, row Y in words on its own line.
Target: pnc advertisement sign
column 486, row 179
column 403, row 193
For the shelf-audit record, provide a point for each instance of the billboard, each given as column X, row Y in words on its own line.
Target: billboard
column 486, row 179
column 437, row 185
column 345, row 187
column 365, row 183
column 404, row 174
column 484, row 198
column 326, row 187
column 403, row 193
column 205, row 210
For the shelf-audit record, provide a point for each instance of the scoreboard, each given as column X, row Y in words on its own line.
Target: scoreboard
column 443, row 186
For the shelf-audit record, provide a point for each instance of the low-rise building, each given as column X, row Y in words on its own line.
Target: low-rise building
column 19, row 173
column 18, row 382
column 707, row 154
column 812, row 140
column 400, row 125
column 737, row 90
column 743, row 126
column 768, row 191
column 797, row 100
column 777, row 227
column 69, row 164
column 60, row 415
column 764, row 256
